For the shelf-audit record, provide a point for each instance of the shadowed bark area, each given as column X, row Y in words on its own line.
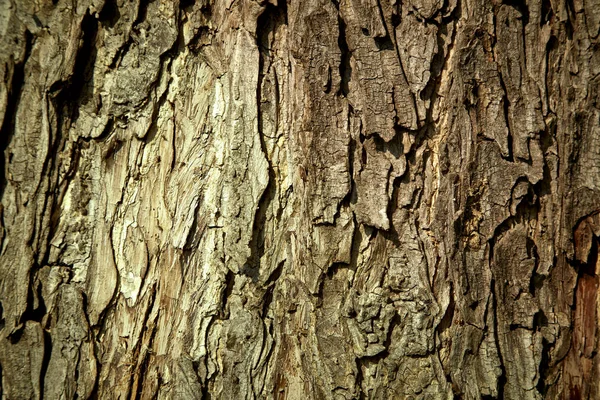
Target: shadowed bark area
column 299, row 199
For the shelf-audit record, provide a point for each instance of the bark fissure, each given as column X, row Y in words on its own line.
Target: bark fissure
column 300, row 199
column 8, row 118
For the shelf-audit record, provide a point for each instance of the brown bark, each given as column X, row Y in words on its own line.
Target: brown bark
column 299, row 199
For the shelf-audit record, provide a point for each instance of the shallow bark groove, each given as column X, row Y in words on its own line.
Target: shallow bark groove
column 292, row 199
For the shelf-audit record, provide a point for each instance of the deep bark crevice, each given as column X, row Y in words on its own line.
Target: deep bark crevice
column 345, row 66
column 547, row 12
column 8, row 125
column 109, row 15
column 145, row 361
column 46, row 359
column 487, row 234
column 226, row 294
column 502, row 379
column 267, row 24
column 79, row 90
column 270, row 285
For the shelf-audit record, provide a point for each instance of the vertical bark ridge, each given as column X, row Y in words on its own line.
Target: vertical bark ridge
column 299, row 199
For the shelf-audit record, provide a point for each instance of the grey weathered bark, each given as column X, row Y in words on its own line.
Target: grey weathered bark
column 300, row 199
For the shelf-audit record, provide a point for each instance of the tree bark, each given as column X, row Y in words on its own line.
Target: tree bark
column 298, row 199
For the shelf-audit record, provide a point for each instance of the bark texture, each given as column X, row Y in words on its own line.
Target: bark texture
column 297, row 199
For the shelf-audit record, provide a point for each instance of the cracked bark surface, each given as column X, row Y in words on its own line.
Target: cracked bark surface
column 295, row 199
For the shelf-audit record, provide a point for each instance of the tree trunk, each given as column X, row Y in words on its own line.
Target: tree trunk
column 300, row 199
